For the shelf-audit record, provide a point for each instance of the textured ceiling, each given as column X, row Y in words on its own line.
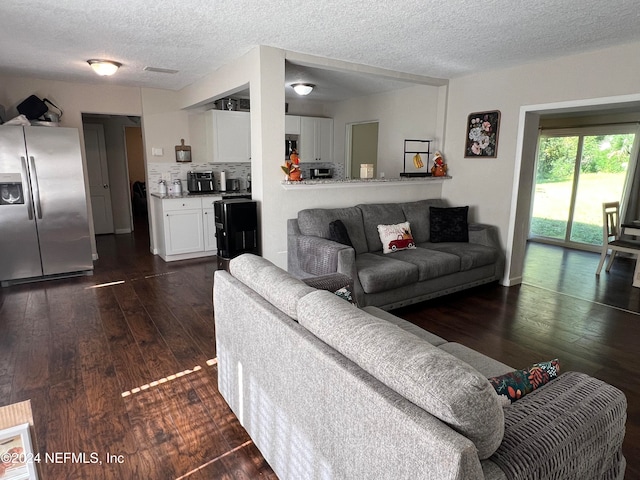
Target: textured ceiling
column 53, row 39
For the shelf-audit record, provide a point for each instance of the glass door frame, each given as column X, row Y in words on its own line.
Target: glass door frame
column 581, row 132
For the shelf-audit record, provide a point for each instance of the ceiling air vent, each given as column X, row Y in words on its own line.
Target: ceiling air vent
column 159, row 70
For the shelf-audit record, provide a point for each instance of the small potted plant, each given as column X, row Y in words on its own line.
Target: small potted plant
column 291, row 168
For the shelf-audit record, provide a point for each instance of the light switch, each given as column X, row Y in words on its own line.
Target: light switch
column 157, row 152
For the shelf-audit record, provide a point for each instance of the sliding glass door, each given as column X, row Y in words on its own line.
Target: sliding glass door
column 578, row 170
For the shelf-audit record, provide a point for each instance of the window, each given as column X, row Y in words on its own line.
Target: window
column 577, row 170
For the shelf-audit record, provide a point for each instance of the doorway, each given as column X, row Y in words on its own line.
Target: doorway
column 362, row 147
column 98, row 170
column 115, row 159
column 577, row 170
column 624, row 108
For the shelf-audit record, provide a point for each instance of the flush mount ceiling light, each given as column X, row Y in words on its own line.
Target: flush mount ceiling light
column 302, row 88
column 104, row 67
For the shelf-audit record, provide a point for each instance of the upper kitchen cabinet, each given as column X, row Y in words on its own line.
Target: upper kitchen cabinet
column 292, row 124
column 230, row 134
column 316, row 139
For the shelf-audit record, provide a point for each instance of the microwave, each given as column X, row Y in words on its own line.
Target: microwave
column 317, row 173
column 291, row 143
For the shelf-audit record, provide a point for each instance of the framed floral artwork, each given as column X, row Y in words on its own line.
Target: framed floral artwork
column 482, row 134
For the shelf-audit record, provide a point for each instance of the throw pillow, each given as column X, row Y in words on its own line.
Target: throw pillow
column 346, row 294
column 514, row 385
column 448, row 224
column 338, row 233
column 396, row 237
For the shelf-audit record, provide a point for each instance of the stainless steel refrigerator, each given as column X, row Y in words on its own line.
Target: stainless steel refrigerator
column 44, row 229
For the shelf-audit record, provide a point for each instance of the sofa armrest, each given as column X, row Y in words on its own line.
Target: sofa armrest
column 318, row 256
column 484, row 235
column 330, row 282
column 573, row 427
column 488, row 235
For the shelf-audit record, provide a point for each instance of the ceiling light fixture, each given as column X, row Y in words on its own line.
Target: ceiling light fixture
column 104, row 67
column 302, row 88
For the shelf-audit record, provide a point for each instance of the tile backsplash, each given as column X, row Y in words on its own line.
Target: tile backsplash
column 172, row 171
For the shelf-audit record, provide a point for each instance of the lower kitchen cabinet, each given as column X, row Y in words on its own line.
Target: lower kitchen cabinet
column 185, row 227
column 209, row 222
column 183, row 232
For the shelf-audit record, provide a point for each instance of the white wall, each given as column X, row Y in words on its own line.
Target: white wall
column 74, row 99
column 492, row 184
column 409, row 113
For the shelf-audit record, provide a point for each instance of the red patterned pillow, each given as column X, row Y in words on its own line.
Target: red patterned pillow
column 396, row 237
column 515, row 385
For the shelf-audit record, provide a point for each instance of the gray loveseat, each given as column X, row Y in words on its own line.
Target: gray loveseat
column 400, row 278
column 330, row 391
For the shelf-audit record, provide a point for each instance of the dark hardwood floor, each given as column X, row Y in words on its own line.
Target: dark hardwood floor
column 123, row 362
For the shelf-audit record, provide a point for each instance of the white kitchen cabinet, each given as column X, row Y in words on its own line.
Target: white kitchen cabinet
column 292, row 125
column 209, row 224
column 316, row 139
column 230, row 136
column 185, row 227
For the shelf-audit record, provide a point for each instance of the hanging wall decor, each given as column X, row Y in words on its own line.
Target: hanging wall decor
column 482, row 134
column 183, row 152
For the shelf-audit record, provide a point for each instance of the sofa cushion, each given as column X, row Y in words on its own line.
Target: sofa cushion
column 375, row 214
column 315, row 221
column 277, row 286
column 408, row 326
column 487, row 366
column 437, row 382
column 338, row 233
column 381, row 273
column 448, row 224
column 396, row 237
column 472, row 255
column 430, row 263
column 417, row 214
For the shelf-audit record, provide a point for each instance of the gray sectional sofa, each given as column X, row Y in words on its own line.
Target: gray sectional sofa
column 400, row 278
column 327, row 391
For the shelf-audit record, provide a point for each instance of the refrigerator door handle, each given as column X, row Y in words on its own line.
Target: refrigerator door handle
column 27, row 195
column 36, row 188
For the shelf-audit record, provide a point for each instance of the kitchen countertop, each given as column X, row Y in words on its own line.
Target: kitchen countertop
column 204, row 195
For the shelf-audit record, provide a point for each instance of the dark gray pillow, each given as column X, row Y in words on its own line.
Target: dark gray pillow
column 338, row 233
column 448, row 224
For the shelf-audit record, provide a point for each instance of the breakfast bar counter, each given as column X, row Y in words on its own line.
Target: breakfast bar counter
column 360, row 182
